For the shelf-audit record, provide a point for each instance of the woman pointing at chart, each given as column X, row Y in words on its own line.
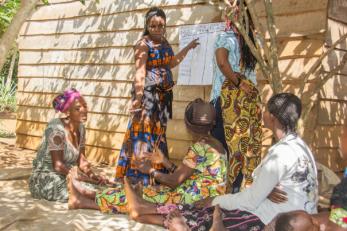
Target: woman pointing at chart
column 151, row 96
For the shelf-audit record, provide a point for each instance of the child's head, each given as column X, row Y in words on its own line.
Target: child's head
column 200, row 116
column 296, row 221
column 338, row 202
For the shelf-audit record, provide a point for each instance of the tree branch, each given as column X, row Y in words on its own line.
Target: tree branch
column 259, row 28
column 329, row 75
column 276, row 76
column 254, row 50
column 10, row 35
column 318, row 63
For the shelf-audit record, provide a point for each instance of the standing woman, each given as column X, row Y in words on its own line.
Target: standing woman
column 151, row 96
column 237, row 102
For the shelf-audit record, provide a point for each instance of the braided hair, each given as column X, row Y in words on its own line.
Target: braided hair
column 286, row 107
column 153, row 11
column 247, row 58
column 248, row 61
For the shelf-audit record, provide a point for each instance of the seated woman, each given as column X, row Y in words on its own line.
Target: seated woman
column 289, row 164
column 62, row 147
column 336, row 219
column 202, row 173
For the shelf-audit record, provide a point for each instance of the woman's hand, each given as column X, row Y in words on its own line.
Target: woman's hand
column 158, row 157
column 245, row 87
column 277, row 195
column 194, row 43
column 143, row 166
column 136, row 105
column 207, row 202
column 98, row 179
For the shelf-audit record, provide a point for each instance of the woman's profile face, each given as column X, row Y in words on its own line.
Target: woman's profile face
column 156, row 27
column 267, row 119
column 78, row 111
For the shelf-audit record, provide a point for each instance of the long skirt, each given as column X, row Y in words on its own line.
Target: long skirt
column 146, row 130
column 243, row 130
column 202, row 219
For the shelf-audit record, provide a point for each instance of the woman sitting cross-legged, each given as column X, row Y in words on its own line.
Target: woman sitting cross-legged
column 202, row 173
column 288, row 164
column 62, row 148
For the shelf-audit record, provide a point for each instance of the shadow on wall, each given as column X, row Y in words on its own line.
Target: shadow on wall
column 90, row 48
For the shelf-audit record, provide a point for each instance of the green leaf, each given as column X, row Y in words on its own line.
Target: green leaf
column 5, row 18
column 83, row 2
column 45, row 2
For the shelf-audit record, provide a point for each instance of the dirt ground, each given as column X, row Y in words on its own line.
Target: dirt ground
column 12, row 157
column 19, row 211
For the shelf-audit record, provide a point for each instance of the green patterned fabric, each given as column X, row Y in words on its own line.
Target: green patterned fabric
column 45, row 182
column 339, row 217
column 208, row 180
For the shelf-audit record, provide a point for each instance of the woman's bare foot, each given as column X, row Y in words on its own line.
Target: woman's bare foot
column 176, row 222
column 136, row 205
column 76, row 199
column 73, row 202
column 134, row 202
column 217, row 224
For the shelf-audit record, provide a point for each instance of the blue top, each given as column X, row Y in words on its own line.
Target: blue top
column 229, row 41
column 158, row 65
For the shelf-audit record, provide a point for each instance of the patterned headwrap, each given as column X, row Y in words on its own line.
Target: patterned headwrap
column 63, row 101
column 339, row 217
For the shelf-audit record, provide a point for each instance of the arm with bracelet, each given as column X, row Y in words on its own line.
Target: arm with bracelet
column 158, row 157
column 176, row 176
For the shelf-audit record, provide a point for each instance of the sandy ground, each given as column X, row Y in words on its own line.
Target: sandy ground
column 18, row 211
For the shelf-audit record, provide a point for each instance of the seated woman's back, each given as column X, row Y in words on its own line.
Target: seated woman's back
column 288, row 165
column 208, row 160
column 292, row 162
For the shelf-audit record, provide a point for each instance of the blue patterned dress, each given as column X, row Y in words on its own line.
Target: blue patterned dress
column 148, row 127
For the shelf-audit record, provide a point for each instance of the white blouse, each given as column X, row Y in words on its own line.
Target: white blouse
column 288, row 164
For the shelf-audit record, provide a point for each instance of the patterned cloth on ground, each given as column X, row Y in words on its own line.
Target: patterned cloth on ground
column 208, row 180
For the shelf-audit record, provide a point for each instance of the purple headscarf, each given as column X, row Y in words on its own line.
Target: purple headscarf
column 63, row 101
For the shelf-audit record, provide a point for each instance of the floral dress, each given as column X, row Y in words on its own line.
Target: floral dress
column 148, row 126
column 208, row 180
column 45, row 182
